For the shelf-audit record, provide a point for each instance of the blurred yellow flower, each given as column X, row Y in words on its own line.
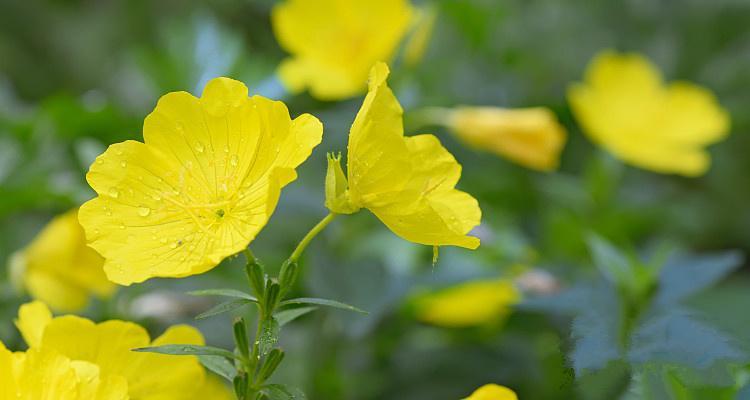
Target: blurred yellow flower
column 531, row 137
column 625, row 107
column 47, row 374
column 214, row 389
column 200, row 188
column 108, row 346
column 468, row 304
column 493, row 392
column 407, row 182
column 58, row 267
column 421, row 32
column 333, row 43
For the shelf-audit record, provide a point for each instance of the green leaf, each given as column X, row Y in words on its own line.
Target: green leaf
column 187, row 350
column 286, row 316
column 322, row 302
column 269, row 335
column 282, row 392
column 224, row 292
column 687, row 275
column 224, row 307
column 614, row 265
column 219, row 365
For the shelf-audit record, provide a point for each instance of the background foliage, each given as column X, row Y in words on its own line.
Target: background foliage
column 653, row 284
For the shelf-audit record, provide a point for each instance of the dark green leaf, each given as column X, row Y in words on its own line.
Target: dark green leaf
column 322, row 302
column 219, row 365
column 187, row 350
column 684, row 276
column 286, row 316
column 224, row 307
column 283, row 392
column 224, row 292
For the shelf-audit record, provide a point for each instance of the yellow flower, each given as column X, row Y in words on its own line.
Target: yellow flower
column 59, row 268
column 407, row 182
column 468, row 304
column 200, row 188
column 214, row 389
column 625, row 107
column 531, row 137
column 47, row 374
column 335, row 42
column 108, row 346
column 423, row 25
column 493, row 392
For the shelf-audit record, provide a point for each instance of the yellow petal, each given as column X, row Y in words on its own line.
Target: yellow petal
column 493, row 392
column 200, row 188
column 423, row 25
column 408, row 183
column 33, row 319
column 377, row 152
column 624, row 106
column 334, row 43
column 215, row 389
column 60, row 269
column 468, row 304
column 7, row 380
column 531, row 137
column 109, row 346
column 428, row 210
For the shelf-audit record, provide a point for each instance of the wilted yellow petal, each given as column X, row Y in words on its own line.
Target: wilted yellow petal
column 493, row 392
column 408, row 183
column 33, row 319
column 333, row 43
column 468, row 304
column 200, row 188
column 625, row 107
column 531, row 137
column 59, row 268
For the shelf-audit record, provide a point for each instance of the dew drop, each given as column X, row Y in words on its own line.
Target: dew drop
column 163, row 240
column 123, row 164
column 144, row 211
column 200, row 148
column 122, row 226
column 234, row 160
column 173, row 245
column 114, row 193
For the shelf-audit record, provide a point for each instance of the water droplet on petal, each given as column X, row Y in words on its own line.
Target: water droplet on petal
column 123, row 164
column 234, row 160
column 199, row 147
column 144, row 211
column 114, row 193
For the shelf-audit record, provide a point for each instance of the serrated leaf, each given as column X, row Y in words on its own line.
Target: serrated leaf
column 221, row 308
column 286, row 316
column 596, row 332
column 687, row 275
column 187, row 350
column 219, row 365
column 224, row 292
column 678, row 337
column 283, row 392
column 322, row 302
column 269, row 335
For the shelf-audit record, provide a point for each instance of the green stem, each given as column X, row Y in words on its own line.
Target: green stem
column 310, row 235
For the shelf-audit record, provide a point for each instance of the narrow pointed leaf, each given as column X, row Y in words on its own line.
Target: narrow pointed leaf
column 224, row 292
column 219, row 365
column 323, row 302
column 224, row 307
column 187, row 350
column 286, row 316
